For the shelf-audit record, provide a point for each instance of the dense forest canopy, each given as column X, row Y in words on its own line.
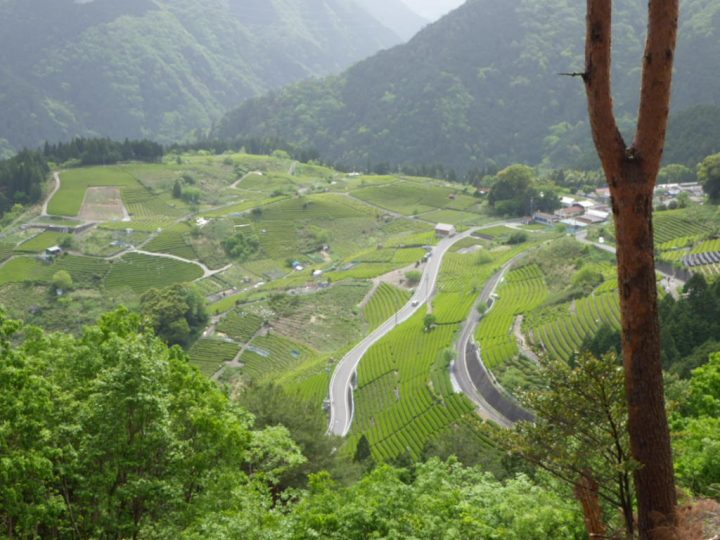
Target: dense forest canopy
column 22, row 179
column 162, row 68
column 481, row 86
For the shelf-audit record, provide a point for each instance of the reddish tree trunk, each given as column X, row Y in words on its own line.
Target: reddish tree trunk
column 587, row 492
column 631, row 173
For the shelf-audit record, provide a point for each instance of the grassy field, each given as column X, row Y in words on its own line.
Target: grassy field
column 73, row 184
column 41, row 242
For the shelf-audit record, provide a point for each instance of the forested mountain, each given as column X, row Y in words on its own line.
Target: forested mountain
column 481, row 86
column 161, row 68
column 395, row 15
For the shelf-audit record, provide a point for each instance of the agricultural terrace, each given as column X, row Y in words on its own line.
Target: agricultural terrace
column 87, row 271
column 522, row 290
column 464, row 275
column 209, row 354
column 404, row 396
column 142, row 272
column 562, row 335
column 75, row 182
column 41, row 242
column 687, row 231
column 270, row 355
column 240, row 325
column 415, row 198
column 385, row 302
column 174, row 240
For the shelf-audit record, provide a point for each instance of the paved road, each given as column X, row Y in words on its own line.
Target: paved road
column 473, row 378
column 672, row 283
column 341, row 398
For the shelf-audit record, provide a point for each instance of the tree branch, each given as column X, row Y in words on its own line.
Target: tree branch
column 656, row 83
column 598, row 60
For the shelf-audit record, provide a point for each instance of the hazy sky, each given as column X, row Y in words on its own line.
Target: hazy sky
column 433, row 9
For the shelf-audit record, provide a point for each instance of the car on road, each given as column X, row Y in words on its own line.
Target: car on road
column 415, row 303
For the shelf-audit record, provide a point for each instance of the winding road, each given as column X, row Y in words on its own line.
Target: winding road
column 474, row 379
column 341, row 397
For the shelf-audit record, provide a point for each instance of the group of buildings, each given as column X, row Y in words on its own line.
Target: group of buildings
column 576, row 213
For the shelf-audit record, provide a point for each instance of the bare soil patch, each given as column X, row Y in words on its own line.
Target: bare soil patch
column 103, row 204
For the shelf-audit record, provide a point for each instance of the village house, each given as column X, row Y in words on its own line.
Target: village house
column 444, row 230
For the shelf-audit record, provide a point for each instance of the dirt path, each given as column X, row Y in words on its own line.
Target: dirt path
column 56, row 187
column 522, row 342
column 236, row 182
column 235, row 362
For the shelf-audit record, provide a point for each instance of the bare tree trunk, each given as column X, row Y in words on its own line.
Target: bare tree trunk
column 631, row 173
column 586, row 491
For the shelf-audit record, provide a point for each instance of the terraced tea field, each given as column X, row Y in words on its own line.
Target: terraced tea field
column 562, row 337
column 386, row 300
column 522, row 291
column 209, row 354
column 404, row 396
column 413, row 198
column 143, row 272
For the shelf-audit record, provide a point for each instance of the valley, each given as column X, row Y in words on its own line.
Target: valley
column 323, row 281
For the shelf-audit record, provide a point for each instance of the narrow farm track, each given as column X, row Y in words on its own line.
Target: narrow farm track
column 55, row 189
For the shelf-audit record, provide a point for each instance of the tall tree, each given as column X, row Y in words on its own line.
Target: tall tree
column 631, row 172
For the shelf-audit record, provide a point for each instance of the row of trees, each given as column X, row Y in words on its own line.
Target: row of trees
column 102, row 151
column 251, row 145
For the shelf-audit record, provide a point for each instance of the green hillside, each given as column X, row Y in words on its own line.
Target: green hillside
column 481, row 87
column 162, row 68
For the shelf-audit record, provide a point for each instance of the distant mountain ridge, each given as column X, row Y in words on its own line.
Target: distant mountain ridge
column 161, row 68
column 481, row 87
column 395, row 15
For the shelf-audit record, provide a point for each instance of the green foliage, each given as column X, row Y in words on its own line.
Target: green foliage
column 580, row 428
column 102, row 151
column 696, row 429
column 490, row 104
column 115, row 435
column 22, row 178
column 514, row 193
column 62, row 281
column 709, row 175
column 176, row 313
column 439, row 500
column 272, row 406
column 429, row 322
column 518, row 237
column 690, row 326
column 241, row 246
column 675, row 173
column 413, row 277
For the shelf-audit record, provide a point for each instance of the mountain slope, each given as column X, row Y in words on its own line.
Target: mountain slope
column 480, row 86
column 395, row 15
column 161, row 68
